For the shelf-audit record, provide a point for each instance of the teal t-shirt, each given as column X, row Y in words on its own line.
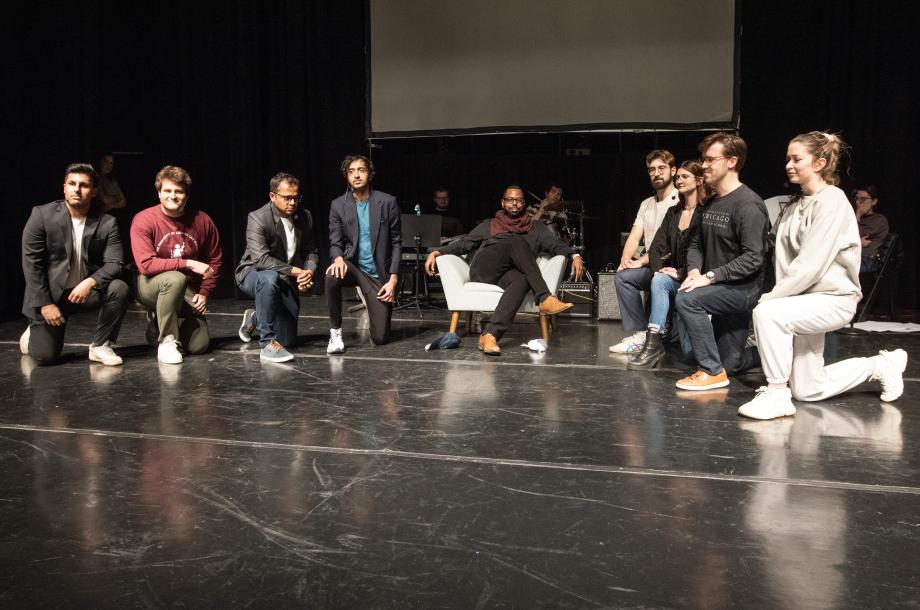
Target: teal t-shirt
column 365, row 254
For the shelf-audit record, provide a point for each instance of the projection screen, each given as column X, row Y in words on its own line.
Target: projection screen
column 487, row 66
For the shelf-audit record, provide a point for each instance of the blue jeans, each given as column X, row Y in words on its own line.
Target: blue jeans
column 277, row 306
column 664, row 288
column 720, row 344
column 629, row 284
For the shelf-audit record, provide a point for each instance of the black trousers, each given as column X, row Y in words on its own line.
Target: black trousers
column 379, row 312
column 46, row 342
column 509, row 263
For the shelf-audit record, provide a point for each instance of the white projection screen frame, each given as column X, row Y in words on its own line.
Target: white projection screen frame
column 491, row 66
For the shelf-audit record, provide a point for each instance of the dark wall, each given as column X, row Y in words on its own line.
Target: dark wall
column 236, row 91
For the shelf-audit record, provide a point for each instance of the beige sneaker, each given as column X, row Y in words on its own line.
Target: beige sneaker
column 701, row 380
column 104, row 354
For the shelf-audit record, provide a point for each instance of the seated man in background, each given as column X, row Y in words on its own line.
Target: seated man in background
column 450, row 225
column 178, row 257
column 505, row 253
column 71, row 259
column 277, row 266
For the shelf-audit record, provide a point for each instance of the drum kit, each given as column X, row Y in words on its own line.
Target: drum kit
column 566, row 220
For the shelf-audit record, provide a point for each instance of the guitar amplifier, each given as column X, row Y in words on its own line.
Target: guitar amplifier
column 608, row 307
column 582, row 295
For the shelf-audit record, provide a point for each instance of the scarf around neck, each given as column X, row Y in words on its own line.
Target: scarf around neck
column 502, row 223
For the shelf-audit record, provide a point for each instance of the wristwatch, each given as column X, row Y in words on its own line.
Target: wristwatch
column 711, row 276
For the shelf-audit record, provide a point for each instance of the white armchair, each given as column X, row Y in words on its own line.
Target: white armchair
column 467, row 296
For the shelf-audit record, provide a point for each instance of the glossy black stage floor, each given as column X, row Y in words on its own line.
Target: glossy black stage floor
column 392, row 477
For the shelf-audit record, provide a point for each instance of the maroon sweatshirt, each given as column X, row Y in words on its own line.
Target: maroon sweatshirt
column 162, row 243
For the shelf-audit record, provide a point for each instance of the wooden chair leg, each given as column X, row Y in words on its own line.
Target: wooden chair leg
column 544, row 326
column 454, row 318
column 469, row 323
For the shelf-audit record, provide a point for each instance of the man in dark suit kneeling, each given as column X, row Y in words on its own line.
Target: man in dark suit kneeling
column 365, row 244
column 276, row 268
column 71, row 259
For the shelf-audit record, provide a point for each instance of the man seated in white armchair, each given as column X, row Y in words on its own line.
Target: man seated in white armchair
column 505, row 250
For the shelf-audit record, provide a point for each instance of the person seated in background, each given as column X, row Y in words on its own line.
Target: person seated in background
column 505, row 250
column 71, row 260
column 178, row 257
column 873, row 226
column 276, row 268
column 668, row 262
column 110, row 195
column 550, row 209
column 450, row 225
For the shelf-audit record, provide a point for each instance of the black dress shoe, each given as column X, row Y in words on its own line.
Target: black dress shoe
column 649, row 356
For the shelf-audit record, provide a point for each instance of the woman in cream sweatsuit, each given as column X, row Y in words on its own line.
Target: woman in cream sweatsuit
column 817, row 289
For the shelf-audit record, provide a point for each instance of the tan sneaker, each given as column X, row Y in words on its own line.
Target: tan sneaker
column 489, row 345
column 701, row 380
column 551, row 306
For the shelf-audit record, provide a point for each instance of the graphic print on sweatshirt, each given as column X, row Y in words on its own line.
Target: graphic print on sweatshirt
column 177, row 244
column 716, row 218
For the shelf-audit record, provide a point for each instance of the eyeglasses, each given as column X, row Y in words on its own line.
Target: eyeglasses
column 859, row 199
column 711, row 160
column 512, row 200
column 658, row 170
column 288, row 198
column 679, row 178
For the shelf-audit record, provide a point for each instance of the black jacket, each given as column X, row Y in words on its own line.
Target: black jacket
column 540, row 239
column 386, row 231
column 669, row 247
column 47, row 243
column 266, row 243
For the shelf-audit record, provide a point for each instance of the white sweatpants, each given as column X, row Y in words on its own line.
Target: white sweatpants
column 790, row 338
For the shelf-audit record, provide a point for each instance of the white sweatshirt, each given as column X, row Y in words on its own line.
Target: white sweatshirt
column 817, row 248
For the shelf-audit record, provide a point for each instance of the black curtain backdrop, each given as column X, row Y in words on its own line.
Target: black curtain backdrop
column 236, row 91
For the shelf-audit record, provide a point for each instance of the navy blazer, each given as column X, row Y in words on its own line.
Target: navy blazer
column 386, row 231
column 47, row 244
column 266, row 243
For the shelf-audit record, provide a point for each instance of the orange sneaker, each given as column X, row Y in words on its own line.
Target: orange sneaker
column 489, row 345
column 701, row 380
column 551, row 306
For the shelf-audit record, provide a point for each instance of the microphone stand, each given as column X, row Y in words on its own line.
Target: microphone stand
column 416, row 300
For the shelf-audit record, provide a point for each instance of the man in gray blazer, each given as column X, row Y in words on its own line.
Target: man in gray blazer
column 71, row 259
column 365, row 244
column 276, row 268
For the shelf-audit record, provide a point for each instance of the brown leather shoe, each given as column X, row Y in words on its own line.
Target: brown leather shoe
column 489, row 345
column 701, row 380
column 551, row 306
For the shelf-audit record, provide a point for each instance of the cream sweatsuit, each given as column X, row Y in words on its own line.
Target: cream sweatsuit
column 817, row 289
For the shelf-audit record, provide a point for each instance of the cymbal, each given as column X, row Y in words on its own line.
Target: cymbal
column 571, row 205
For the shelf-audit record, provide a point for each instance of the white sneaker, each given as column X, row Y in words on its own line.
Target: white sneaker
column 336, row 345
column 24, row 340
column 631, row 344
column 104, row 354
column 247, row 328
column 168, row 351
column 889, row 368
column 769, row 403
